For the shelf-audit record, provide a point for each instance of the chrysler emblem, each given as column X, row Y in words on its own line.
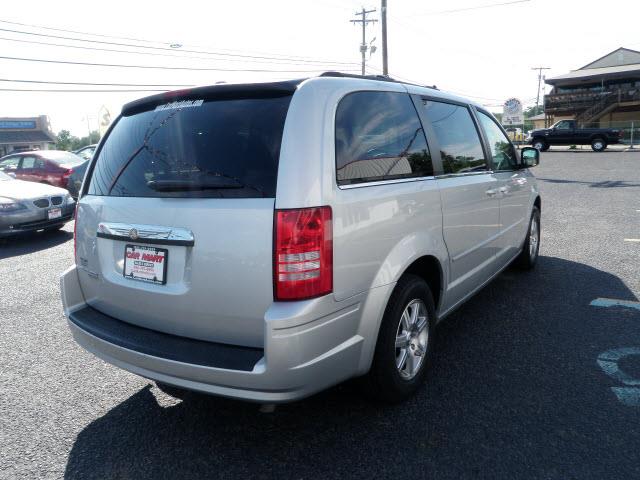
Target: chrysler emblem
column 133, row 234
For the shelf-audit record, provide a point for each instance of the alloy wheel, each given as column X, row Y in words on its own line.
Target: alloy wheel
column 412, row 339
column 534, row 238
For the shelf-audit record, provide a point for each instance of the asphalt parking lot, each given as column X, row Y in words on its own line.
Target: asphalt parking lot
column 530, row 380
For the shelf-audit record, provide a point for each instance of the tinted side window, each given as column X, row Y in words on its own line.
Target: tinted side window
column 460, row 146
column 379, row 137
column 502, row 151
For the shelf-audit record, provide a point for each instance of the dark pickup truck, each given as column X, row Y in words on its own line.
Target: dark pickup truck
column 565, row 132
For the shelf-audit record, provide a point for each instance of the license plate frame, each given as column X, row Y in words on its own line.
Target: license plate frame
column 54, row 213
column 145, row 267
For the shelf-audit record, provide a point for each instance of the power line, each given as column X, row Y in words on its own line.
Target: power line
column 95, row 84
column 161, row 67
column 77, row 32
column 75, row 39
column 479, row 7
column 77, row 90
column 279, row 56
column 115, row 50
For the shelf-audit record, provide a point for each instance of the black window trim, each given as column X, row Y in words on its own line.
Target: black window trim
column 472, row 113
column 390, row 181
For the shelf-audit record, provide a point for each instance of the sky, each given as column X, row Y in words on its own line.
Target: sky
column 474, row 48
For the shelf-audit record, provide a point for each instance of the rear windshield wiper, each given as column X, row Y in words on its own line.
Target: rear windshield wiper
column 182, row 185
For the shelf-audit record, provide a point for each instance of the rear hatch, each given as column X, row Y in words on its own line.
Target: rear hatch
column 175, row 227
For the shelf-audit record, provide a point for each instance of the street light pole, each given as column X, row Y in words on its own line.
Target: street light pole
column 383, row 15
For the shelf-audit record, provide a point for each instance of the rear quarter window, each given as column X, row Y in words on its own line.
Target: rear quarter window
column 379, row 137
column 215, row 149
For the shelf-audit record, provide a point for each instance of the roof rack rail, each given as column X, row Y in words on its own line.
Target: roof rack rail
column 382, row 78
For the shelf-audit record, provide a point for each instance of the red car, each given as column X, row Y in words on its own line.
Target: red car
column 44, row 166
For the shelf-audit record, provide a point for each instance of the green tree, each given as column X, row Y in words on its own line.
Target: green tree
column 64, row 140
column 84, row 141
column 533, row 111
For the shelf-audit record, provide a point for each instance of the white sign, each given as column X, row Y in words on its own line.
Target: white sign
column 146, row 263
column 512, row 112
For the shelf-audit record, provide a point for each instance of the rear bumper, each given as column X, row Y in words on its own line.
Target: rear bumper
column 308, row 347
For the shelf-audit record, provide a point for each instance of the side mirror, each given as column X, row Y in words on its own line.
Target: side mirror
column 529, row 157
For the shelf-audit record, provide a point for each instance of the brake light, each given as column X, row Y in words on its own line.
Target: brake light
column 67, row 173
column 303, row 253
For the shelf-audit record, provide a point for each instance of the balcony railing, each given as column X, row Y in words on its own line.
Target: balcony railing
column 580, row 102
column 571, row 102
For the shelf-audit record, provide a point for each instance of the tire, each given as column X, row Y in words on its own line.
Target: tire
column 598, row 144
column 392, row 379
column 540, row 144
column 172, row 391
column 529, row 255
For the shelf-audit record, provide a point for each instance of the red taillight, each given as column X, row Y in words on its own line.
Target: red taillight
column 303, row 253
column 67, row 173
column 75, row 224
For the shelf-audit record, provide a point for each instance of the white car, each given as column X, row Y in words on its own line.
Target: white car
column 29, row 206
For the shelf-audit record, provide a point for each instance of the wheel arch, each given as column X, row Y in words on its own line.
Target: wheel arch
column 429, row 268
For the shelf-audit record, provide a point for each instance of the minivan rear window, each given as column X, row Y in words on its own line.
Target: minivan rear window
column 205, row 148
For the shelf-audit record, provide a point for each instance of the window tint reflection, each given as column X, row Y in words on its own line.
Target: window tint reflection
column 460, row 146
column 379, row 137
column 502, row 151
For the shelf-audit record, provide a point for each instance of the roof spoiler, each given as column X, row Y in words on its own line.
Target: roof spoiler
column 217, row 92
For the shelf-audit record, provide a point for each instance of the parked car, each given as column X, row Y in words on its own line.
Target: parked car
column 565, row 132
column 28, row 206
column 74, row 181
column 267, row 241
column 86, row 152
column 44, row 166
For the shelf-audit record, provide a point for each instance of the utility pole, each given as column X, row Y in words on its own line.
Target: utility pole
column 364, row 21
column 539, row 69
column 383, row 16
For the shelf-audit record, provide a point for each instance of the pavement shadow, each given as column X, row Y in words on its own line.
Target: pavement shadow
column 514, row 392
column 26, row 243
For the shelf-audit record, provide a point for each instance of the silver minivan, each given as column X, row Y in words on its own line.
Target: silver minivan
column 266, row 241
